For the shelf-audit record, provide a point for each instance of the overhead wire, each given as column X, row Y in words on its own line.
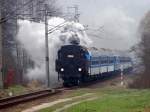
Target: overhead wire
column 14, row 16
column 56, row 27
column 8, row 16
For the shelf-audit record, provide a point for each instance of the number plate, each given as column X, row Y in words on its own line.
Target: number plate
column 70, row 56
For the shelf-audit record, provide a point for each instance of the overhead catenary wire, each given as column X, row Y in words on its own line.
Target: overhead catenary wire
column 27, row 18
column 9, row 15
column 56, row 27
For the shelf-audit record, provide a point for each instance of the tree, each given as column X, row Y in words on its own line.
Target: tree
column 144, row 47
column 35, row 9
column 13, row 55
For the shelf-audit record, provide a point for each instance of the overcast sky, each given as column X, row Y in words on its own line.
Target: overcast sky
column 119, row 20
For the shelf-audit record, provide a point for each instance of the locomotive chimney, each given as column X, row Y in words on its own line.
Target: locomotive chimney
column 74, row 40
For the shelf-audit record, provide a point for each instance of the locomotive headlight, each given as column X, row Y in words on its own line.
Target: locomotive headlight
column 79, row 69
column 62, row 69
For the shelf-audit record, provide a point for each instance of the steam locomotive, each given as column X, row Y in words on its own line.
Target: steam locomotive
column 76, row 64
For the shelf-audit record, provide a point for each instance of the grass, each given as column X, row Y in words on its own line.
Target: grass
column 110, row 100
column 71, row 95
column 16, row 90
column 60, row 105
column 78, row 92
column 116, row 101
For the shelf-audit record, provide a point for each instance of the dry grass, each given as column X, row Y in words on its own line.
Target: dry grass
column 141, row 81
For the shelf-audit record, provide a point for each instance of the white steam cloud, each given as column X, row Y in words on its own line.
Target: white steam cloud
column 31, row 35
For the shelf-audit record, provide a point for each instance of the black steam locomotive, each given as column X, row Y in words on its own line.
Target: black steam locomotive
column 76, row 64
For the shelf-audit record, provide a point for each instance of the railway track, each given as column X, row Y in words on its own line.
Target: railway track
column 14, row 100
column 90, row 83
column 10, row 101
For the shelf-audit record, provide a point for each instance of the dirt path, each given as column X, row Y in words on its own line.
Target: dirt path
column 50, row 104
column 72, row 104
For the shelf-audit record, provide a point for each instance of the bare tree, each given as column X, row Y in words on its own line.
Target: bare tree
column 143, row 49
column 8, row 34
column 13, row 55
column 35, row 10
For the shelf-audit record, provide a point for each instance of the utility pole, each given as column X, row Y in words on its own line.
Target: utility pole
column 46, row 46
column 122, row 78
column 76, row 12
column 1, row 55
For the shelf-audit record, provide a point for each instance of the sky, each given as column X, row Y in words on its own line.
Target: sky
column 117, row 20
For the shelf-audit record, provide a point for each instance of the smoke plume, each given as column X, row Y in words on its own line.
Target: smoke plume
column 31, row 35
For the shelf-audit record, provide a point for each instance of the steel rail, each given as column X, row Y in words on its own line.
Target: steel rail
column 14, row 100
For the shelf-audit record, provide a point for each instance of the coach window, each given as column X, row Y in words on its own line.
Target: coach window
column 104, row 61
column 95, row 62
